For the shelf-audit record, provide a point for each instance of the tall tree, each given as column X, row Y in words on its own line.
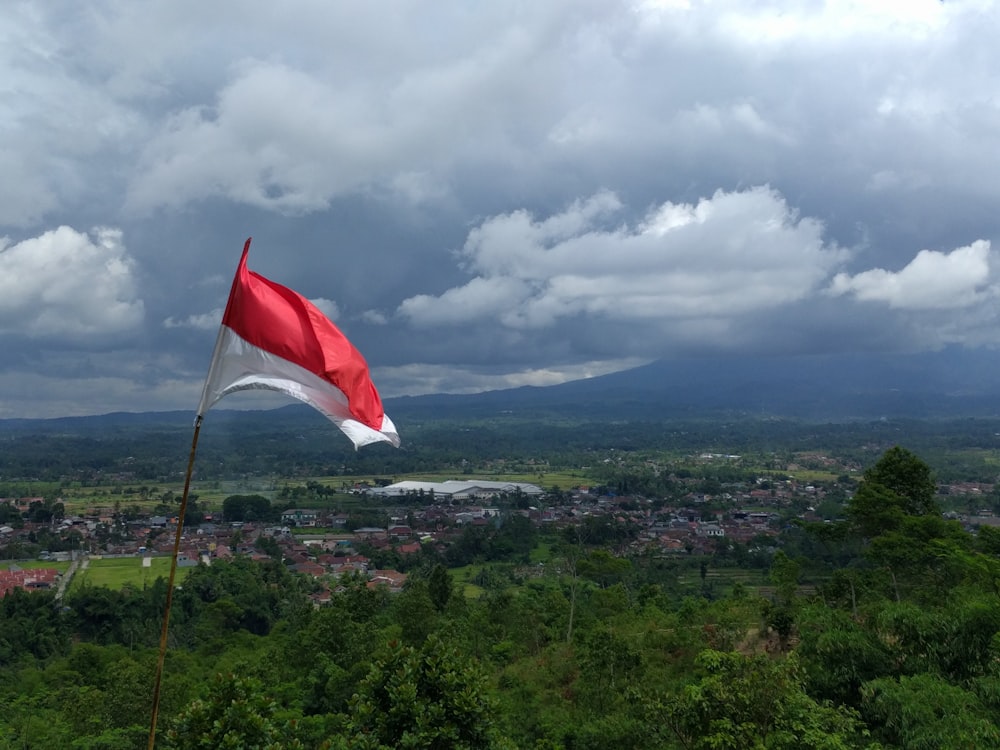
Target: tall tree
column 899, row 484
column 427, row 698
column 439, row 586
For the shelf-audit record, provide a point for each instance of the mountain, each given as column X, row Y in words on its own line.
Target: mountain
column 953, row 383
column 948, row 384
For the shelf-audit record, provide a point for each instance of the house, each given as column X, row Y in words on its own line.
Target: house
column 400, row 533
column 37, row 578
column 300, row 517
column 309, row 568
column 392, row 579
column 370, row 532
column 710, row 530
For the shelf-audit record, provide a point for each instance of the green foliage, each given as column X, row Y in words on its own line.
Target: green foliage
column 603, row 568
column 426, row 698
column 30, row 625
column 249, row 596
column 839, row 654
column 248, row 508
column 600, row 647
column 924, row 712
column 415, row 612
column 236, row 715
column 439, row 587
column 608, row 664
column 897, row 486
column 512, row 540
column 909, row 477
column 785, row 577
column 755, row 702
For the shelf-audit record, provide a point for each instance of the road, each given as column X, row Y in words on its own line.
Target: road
column 68, row 575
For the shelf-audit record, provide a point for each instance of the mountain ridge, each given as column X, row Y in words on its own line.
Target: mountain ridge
column 952, row 383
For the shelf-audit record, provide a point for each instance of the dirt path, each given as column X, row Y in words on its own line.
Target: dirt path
column 68, row 576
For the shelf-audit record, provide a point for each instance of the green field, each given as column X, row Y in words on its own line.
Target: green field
column 102, row 499
column 463, row 577
column 118, row 572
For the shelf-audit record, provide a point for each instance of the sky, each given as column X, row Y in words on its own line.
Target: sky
column 490, row 195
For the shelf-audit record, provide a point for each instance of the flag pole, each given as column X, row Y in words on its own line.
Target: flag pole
column 203, row 406
column 170, row 584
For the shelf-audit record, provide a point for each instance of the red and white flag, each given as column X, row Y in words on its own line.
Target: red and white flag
column 275, row 339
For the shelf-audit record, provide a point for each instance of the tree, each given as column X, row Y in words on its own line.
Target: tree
column 415, row 611
column 603, row 568
column 785, row 577
column 756, row 702
column 924, row 712
column 895, row 511
column 439, row 587
column 427, row 698
column 236, row 714
column 909, row 478
column 839, row 654
column 247, row 508
column 898, row 485
column 607, row 663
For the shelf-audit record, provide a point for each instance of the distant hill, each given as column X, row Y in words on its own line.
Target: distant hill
column 828, row 388
column 949, row 384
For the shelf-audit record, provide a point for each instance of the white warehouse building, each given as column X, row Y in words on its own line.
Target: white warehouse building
column 453, row 489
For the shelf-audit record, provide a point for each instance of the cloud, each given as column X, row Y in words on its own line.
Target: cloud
column 931, row 281
column 202, row 321
column 420, row 379
column 211, row 321
column 89, row 394
column 55, row 122
column 499, row 189
column 65, row 284
column 724, row 256
column 327, row 306
column 291, row 139
column 373, row 317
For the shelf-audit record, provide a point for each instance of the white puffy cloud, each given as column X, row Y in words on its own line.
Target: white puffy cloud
column 724, row 256
column 931, row 281
column 66, row 284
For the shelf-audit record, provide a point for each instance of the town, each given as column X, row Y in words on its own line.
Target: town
column 422, row 520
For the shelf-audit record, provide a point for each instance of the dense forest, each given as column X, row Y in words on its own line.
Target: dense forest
column 297, row 442
column 895, row 644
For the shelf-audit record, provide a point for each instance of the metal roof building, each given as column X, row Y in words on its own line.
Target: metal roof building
column 454, row 489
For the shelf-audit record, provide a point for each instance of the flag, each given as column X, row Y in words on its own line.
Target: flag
column 275, row 339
